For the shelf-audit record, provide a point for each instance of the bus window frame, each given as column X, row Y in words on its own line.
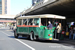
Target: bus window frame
column 33, row 20
column 18, row 21
column 52, row 19
column 26, row 23
column 29, row 20
column 22, row 21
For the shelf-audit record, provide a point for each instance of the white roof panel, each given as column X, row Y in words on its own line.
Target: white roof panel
column 43, row 16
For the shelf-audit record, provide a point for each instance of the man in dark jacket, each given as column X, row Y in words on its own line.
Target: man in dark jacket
column 50, row 25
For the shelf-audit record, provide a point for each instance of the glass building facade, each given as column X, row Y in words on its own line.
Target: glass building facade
column 0, row 6
column 5, row 6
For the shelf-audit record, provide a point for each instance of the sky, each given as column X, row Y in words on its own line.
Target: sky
column 17, row 6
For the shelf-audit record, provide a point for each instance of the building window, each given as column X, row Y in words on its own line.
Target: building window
column 0, row 6
column 5, row 6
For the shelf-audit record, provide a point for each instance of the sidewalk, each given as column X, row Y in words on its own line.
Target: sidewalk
column 69, row 41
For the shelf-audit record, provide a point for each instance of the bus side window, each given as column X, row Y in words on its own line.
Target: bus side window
column 36, row 21
column 19, row 22
column 30, row 21
column 24, row 21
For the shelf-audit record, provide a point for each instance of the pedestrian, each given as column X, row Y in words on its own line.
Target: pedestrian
column 67, row 31
column 71, row 33
column 74, row 32
column 67, row 28
column 59, row 30
column 50, row 26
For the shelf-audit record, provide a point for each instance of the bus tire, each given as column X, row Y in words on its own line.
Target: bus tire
column 32, row 36
column 15, row 34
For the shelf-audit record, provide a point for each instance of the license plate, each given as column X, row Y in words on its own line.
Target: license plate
column 50, row 38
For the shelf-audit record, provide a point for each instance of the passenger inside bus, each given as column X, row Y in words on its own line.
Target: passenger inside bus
column 24, row 21
column 33, row 23
column 50, row 26
column 29, row 24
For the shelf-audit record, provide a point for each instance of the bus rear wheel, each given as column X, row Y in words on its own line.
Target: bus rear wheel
column 15, row 34
column 32, row 36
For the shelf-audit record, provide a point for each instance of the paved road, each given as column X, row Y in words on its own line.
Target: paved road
column 8, row 42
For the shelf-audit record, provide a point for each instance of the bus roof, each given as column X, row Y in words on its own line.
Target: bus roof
column 43, row 16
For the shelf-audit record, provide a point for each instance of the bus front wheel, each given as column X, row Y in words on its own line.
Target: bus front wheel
column 32, row 36
column 15, row 34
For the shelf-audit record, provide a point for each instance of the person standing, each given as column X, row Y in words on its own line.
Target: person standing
column 50, row 26
column 74, row 32
column 67, row 28
column 71, row 33
column 67, row 31
column 58, row 30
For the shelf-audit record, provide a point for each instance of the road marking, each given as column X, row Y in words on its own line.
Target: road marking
column 8, row 30
column 5, row 33
column 25, row 44
column 20, row 41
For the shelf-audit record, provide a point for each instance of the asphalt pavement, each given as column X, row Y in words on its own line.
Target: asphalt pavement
column 8, row 42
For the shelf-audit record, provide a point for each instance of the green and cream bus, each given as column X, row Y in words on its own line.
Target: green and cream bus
column 35, row 26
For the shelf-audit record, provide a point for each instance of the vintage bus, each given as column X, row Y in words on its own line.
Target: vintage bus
column 35, row 26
